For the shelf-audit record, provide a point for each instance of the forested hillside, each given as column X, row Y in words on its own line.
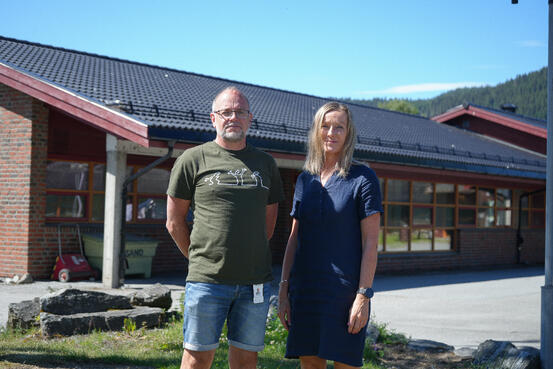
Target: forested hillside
column 528, row 92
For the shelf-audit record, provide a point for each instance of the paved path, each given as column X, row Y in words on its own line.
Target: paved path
column 462, row 309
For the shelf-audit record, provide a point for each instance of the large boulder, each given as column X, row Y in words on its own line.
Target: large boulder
column 505, row 355
column 73, row 301
column 155, row 296
column 67, row 325
column 23, row 315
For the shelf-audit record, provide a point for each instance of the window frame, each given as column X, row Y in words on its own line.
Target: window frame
column 90, row 192
column 451, row 230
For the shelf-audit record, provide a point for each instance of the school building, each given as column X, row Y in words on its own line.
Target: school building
column 465, row 190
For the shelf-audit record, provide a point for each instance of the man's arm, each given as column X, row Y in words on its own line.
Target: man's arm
column 177, row 209
column 271, row 212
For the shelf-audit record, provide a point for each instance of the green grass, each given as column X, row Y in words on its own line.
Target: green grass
column 158, row 348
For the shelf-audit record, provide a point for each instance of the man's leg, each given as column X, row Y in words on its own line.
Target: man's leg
column 246, row 327
column 197, row 359
column 205, row 310
column 239, row 358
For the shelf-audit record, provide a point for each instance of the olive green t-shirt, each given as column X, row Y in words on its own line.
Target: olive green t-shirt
column 229, row 191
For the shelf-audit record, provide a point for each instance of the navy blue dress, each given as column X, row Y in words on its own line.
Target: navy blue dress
column 325, row 275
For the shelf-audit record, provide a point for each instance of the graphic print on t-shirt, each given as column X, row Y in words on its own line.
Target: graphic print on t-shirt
column 236, row 179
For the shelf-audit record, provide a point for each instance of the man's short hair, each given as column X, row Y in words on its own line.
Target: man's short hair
column 229, row 88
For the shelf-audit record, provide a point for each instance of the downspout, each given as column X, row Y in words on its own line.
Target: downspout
column 520, row 239
column 123, row 263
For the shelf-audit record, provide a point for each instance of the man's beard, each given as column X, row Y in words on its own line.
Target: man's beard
column 232, row 136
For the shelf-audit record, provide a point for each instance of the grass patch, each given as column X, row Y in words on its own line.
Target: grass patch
column 156, row 348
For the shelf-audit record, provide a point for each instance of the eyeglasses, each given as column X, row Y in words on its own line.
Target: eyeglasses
column 240, row 113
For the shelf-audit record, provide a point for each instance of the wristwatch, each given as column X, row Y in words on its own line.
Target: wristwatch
column 367, row 292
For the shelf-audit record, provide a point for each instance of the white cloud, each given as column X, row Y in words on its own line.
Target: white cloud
column 423, row 87
column 530, row 43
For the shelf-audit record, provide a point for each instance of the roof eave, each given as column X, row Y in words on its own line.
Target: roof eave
column 201, row 136
column 499, row 119
column 75, row 105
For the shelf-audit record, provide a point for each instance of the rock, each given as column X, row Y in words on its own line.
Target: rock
column 16, row 279
column 23, row 315
column 427, row 345
column 505, row 355
column 73, row 301
column 67, row 325
column 465, row 352
column 372, row 333
column 155, row 296
column 25, row 278
column 172, row 315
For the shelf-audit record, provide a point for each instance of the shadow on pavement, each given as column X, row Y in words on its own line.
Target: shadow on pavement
column 400, row 282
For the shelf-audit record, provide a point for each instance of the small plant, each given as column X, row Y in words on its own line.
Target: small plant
column 129, row 326
column 389, row 337
column 373, row 352
column 275, row 333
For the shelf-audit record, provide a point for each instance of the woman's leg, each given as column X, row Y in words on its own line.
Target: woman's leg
column 312, row 362
column 338, row 365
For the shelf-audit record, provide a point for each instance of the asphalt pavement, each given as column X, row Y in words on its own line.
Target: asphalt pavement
column 462, row 309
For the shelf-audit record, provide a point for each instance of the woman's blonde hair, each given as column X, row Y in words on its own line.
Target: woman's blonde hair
column 315, row 153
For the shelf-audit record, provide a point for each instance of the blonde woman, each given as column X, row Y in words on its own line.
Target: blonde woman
column 331, row 255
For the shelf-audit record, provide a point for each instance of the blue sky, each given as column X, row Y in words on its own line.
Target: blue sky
column 359, row 49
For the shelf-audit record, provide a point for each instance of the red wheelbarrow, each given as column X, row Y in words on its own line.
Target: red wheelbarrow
column 72, row 267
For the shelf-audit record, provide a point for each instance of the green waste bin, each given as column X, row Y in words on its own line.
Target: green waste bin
column 139, row 251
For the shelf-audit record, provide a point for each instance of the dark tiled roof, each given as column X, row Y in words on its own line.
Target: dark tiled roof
column 176, row 105
column 521, row 118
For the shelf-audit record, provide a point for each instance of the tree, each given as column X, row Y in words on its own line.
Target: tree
column 402, row 106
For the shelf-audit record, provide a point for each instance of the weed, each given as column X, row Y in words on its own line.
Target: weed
column 129, row 326
column 389, row 337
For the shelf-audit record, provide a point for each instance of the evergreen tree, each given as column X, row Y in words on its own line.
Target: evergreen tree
column 527, row 91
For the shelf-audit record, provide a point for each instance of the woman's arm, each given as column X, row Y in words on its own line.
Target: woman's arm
column 359, row 313
column 289, row 254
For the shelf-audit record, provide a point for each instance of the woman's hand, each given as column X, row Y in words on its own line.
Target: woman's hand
column 358, row 314
column 284, row 305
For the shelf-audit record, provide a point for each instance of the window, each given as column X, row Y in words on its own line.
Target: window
column 533, row 210
column 424, row 216
column 68, row 190
column 484, row 206
column 504, row 199
column 76, row 190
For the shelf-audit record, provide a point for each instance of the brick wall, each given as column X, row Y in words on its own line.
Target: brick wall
column 23, row 138
column 533, row 248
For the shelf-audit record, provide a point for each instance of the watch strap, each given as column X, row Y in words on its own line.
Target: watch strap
column 367, row 292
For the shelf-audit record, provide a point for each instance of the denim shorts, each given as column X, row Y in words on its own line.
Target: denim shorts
column 207, row 305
